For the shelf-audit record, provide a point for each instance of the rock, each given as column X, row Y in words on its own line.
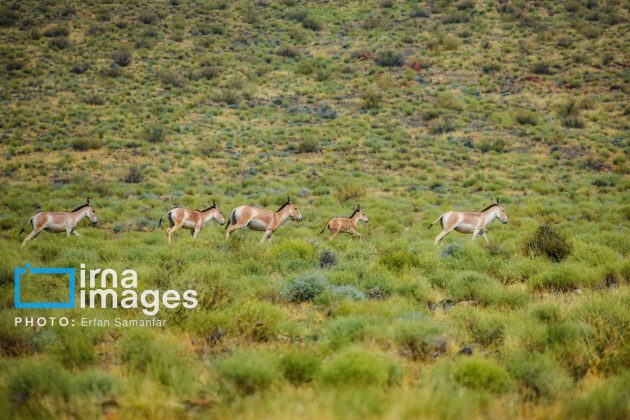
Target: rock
column 465, row 351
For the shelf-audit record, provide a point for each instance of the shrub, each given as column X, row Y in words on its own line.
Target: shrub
column 538, row 377
column 59, row 43
column 122, row 57
column 609, row 400
column 246, row 372
column 349, row 192
column 482, row 374
column 418, row 12
column 80, row 67
column 147, row 17
column 526, row 118
column 563, row 278
column 359, row 367
column 56, row 31
column 299, row 367
column 32, row 380
column 399, row 260
column 135, row 175
column 171, row 78
column 308, row 145
column 311, row 23
column 389, row 58
column 548, row 242
column 419, row 340
column 96, row 383
column 488, row 331
column 372, row 98
column 568, row 112
column 328, row 259
column 83, row 144
column 541, row 67
column 156, row 134
column 347, row 291
column 497, row 146
column 344, row 331
column 288, row 51
column 305, row 287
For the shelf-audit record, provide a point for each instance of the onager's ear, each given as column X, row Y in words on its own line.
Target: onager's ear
column 214, row 204
column 88, row 201
column 497, row 200
column 289, row 200
column 358, row 206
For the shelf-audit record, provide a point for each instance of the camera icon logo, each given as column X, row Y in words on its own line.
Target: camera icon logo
column 21, row 271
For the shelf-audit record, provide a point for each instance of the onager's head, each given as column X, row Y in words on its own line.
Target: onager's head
column 91, row 213
column 362, row 216
column 501, row 214
column 215, row 212
column 294, row 213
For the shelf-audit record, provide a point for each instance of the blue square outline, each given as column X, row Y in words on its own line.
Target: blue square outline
column 44, row 305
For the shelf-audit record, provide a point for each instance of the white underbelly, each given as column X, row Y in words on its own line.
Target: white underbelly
column 465, row 228
column 55, row 228
column 189, row 224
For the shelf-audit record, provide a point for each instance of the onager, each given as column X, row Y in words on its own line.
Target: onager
column 469, row 222
column 259, row 219
column 346, row 224
column 59, row 221
column 193, row 220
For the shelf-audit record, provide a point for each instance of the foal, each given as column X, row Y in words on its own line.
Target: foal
column 259, row 219
column 470, row 222
column 193, row 220
column 59, row 221
column 346, row 224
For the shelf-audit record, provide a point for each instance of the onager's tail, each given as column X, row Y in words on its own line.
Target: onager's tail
column 434, row 222
column 24, row 228
column 168, row 214
column 322, row 231
column 231, row 220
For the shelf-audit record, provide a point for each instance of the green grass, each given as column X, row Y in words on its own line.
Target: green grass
column 408, row 109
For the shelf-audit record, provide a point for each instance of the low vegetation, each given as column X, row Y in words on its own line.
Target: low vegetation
column 409, row 109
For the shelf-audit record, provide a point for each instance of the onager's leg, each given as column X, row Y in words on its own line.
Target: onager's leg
column 231, row 229
column 266, row 236
column 475, row 233
column 172, row 230
column 355, row 234
column 75, row 233
column 441, row 235
column 195, row 233
column 483, row 234
column 334, row 234
column 31, row 235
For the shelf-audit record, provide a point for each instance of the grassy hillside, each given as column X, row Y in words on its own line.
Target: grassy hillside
column 411, row 108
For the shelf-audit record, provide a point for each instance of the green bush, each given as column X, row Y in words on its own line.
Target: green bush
column 122, row 57
column 537, row 376
column 548, row 242
column 32, row 380
column 609, row 400
column 359, row 367
column 482, row 374
column 246, row 372
column 419, row 340
column 299, row 366
column 348, row 330
column 389, row 58
column 305, row 287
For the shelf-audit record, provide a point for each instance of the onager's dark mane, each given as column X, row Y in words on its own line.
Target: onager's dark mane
column 80, row 207
column 214, row 206
column 283, row 206
column 355, row 212
column 489, row 207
